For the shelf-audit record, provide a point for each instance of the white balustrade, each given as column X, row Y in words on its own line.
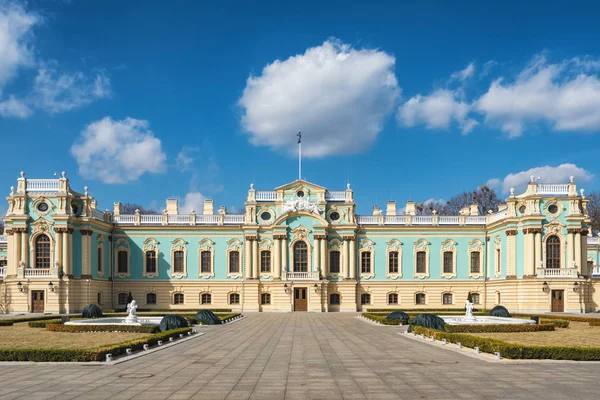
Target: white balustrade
column 236, row 219
column 335, row 195
column 552, row 188
column 150, row 219
column 2, row 272
column 207, row 219
column 265, row 195
column 124, row 219
column 422, row 220
column 590, row 240
column 557, row 273
column 367, row 219
column 3, row 239
column 448, row 220
column 475, row 220
column 301, row 276
column 179, row 219
column 97, row 214
column 596, row 270
column 395, row 220
column 42, row 185
column 37, row 272
column 498, row 216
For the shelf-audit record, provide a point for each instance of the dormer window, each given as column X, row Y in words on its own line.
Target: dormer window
column 42, row 207
column 74, row 209
column 553, row 209
column 300, row 193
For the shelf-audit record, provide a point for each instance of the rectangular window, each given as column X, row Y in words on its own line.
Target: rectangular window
column 205, row 267
column 122, row 298
column 420, row 298
column 334, row 299
column 234, row 298
column 421, row 262
column 178, row 298
column 265, row 298
column 150, row 298
column 334, row 262
column 475, row 298
column 365, row 298
column 448, row 262
column 498, row 260
column 234, row 262
column 178, row 262
column 100, row 265
column 151, row 262
column 3, row 263
column 122, row 262
column 265, row 261
column 393, row 262
column 475, row 262
column 393, row 298
column 365, row 262
column 447, row 298
column 99, row 298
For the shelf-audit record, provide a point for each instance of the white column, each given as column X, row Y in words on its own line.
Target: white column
column 248, row 258
column 17, row 247
column 345, row 259
column 58, row 253
column 538, row 248
column 276, row 259
column 67, row 246
column 530, row 267
column 284, row 256
column 352, row 258
column 570, row 248
column 12, row 267
column 24, row 245
column 317, row 257
column 324, row 258
column 578, row 250
column 255, row 272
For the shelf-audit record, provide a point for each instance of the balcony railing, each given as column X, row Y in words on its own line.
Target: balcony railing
column 335, row 195
column 234, row 219
column 554, row 189
column 449, row 220
column 124, row 219
column 3, row 239
column 301, row 276
column 557, row 273
column 596, row 270
column 394, row 220
column 42, row 185
column 498, row 216
column 37, row 272
column 179, row 219
column 265, row 195
column 150, row 219
column 2, row 272
column 590, row 240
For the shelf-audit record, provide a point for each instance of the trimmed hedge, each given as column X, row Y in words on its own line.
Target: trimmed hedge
column 559, row 323
column 6, row 323
column 595, row 323
column 42, row 324
column 101, row 328
column 381, row 319
column 83, row 355
column 164, row 311
column 561, row 317
column 417, row 311
column 498, row 328
column 514, row 351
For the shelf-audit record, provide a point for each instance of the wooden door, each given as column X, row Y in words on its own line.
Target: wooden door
column 37, row 301
column 558, row 302
column 300, row 301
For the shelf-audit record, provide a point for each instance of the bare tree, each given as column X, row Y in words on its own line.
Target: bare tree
column 129, row 208
column 593, row 209
column 1, row 226
column 485, row 198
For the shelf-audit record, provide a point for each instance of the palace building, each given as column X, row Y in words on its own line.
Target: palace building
column 300, row 247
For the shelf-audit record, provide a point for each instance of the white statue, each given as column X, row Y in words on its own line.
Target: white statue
column 131, row 309
column 469, row 307
column 300, row 204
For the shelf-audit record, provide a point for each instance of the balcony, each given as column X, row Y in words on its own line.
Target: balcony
column 37, row 273
column 2, row 272
column 544, row 273
column 301, row 276
column 43, row 185
column 335, row 195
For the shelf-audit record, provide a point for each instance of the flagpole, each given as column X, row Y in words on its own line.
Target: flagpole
column 299, row 155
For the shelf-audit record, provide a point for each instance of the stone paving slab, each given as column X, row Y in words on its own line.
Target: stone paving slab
column 302, row 356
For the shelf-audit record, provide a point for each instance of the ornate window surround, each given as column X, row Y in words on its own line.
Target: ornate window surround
column 122, row 244
column 331, row 210
column 179, row 245
column 40, row 227
column 234, row 245
column 476, row 245
column 229, row 298
column 262, row 210
column 300, row 234
column 451, row 297
column 150, row 244
column 335, row 244
column 205, row 293
column 265, row 245
column 206, row 245
column 366, row 246
column 146, row 298
column 555, row 228
column 421, row 245
column 34, row 206
column 425, row 296
column 448, row 245
column 100, row 263
column 387, row 297
column 394, row 245
column 558, row 204
column 497, row 262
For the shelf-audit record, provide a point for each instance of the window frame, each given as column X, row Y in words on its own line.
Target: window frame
column 339, row 261
column 205, row 298
column 339, row 299
column 365, row 299
column 206, row 246
column 230, row 298
column 151, row 245
column 553, row 252
column 155, row 298
column 265, row 258
column 420, row 295
column 445, row 297
column 178, row 298
column 265, row 299
column 41, row 260
column 393, row 295
column 120, row 296
column 421, row 245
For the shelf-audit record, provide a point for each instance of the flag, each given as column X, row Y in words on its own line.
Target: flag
column 299, row 137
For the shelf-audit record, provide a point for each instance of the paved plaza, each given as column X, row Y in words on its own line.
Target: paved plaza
column 301, row 356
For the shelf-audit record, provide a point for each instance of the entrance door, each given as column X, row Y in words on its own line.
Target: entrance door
column 37, row 301
column 300, row 303
column 558, row 302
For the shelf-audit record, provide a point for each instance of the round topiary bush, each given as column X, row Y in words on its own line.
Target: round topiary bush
column 172, row 321
column 92, row 311
column 399, row 315
column 207, row 317
column 500, row 311
column 428, row 321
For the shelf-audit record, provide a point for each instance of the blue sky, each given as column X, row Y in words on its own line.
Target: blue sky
column 406, row 100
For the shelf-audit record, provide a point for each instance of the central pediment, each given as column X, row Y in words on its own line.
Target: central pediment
column 301, row 184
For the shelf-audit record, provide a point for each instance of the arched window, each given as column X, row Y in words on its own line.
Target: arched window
column 178, row 298
column 447, row 298
column 420, row 298
column 300, row 257
column 178, row 260
column 42, row 251
column 393, row 298
column 334, row 299
column 205, row 298
column 234, row 262
column 151, row 262
column 393, row 262
column 234, row 298
column 150, row 298
column 553, row 252
column 365, row 298
column 421, row 262
column 122, row 298
column 365, row 262
column 265, row 261
column 205, row 262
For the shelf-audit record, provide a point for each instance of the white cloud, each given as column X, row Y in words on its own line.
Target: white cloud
column 118, row 151
column 463, row 74
column 547, row 174
column 337, row 95
column 14, row 107
column 56, row 92
column 436, row 111
column 562, row 95
column 193, row 201
column 186, row 158
column 16, row 49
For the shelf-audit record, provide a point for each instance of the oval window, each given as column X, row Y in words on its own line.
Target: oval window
column 43, row 207
column 334, row 216
column 553, row 209
column 300, row 193
column 522, row 209
column 265, row 216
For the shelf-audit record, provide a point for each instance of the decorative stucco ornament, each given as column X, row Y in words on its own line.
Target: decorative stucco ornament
column 300, row 204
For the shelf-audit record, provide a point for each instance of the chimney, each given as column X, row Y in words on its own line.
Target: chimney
column 391, row 208
column 474, row 209
column 172, row 207
column 117, row 209
column 410, row 208
column 208, row 207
